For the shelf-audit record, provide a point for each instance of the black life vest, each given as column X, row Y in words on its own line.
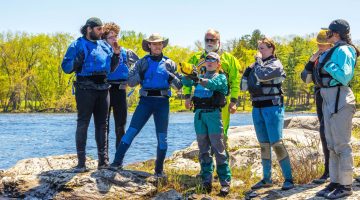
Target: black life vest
column 255, row 87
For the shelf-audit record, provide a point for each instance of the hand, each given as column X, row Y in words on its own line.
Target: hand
column 315, row 56
column 194, row 76
column 232, row 107
column 116, row 47
column 188, row 104
column 79, row 61
column 204, row 81
column 258, row 55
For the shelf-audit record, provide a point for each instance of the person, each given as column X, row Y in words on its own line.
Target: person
column 306, row 76
column 155, row 73
column 263, row 80
column 117, row 80
column 91, row 59
column 230, row 66
column 333, row 74
column 208, row 99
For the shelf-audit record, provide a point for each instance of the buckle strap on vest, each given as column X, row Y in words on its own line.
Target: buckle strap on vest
column 98, row 79
column 268, row 103
column 153, row 93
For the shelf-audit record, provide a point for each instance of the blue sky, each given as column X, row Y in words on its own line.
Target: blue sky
column 183, row 21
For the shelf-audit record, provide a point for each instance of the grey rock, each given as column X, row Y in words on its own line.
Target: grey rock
column 53, row 178
column 169, row 195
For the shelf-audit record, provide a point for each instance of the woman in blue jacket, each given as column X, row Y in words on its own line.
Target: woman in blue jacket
column 333, row 73
column 117, row 80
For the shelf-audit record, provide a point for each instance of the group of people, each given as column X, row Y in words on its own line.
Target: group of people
column 104, row 69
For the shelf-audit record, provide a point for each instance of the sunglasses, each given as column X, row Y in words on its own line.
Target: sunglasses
column 210, row 40
column 211, row 60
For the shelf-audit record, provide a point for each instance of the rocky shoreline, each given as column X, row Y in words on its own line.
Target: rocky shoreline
column 52, row 177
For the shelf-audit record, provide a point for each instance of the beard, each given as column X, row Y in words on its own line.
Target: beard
column 212, row 48
column 93, row 36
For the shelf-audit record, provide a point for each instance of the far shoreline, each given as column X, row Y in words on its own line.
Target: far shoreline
column 131, row 112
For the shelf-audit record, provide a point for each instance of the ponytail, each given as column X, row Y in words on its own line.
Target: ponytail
column 83, row 30
column 347, row 39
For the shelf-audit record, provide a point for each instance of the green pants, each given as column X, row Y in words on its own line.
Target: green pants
column 209, row 135
column 225, row 116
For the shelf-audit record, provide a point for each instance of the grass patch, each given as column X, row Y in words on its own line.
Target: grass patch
column 356, row 161
column 187, row 183
column 356, row 133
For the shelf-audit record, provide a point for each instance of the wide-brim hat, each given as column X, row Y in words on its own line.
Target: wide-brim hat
column 321, row 37
column 155, row 37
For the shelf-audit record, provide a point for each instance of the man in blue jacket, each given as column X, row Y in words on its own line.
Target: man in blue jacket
column 91, row 59
column 155, row 73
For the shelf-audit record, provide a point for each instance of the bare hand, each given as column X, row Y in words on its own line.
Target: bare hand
column 232, row 107
column 188, row 104
column 315, row 56
column 116, row 47
column 258, row 55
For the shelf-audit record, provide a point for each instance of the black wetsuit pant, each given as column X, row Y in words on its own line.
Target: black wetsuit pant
column 119, row 106
column 92, row 102
column 319, row 101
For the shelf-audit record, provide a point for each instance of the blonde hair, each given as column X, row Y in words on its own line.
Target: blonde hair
column 269, row 43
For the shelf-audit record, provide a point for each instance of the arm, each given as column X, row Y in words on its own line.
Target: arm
column 219, row 83
column 341, row 64
column 244, row 85
column 132, row 57
column 73, row 58
column 174, row 76
column 114, row 53
column 134, row 73
column 187, row 82
column 306, row 74
column 233, row 76
column 269, row 71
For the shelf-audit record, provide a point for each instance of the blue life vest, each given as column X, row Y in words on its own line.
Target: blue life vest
column 205, row 98
column 156, row 75
column 97, row 58
column 202, row 92
column 121, row 73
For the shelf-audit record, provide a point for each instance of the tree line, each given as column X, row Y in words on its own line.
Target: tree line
column 31, row 78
